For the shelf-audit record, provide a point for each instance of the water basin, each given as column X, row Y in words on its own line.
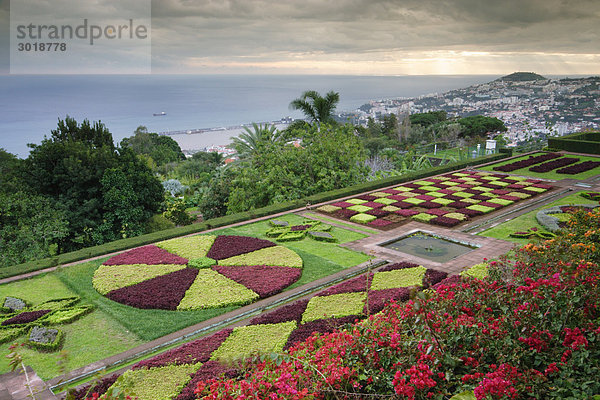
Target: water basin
column 429, row 246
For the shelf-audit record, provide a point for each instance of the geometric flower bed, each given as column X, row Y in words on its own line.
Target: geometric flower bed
column 282, row 231
column 277, row 330
column 39, row 321
column 445, row 200
column 198, row 272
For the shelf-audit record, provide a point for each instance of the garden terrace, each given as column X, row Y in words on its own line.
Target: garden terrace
column 553, row 166
column 447, row 200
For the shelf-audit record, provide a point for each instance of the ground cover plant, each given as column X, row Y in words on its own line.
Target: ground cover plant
column 284, row 327
column 82, row 349
column 446, row 200
column 150, row 281
column 523, row 223
column 581, row 167
column 528, row 330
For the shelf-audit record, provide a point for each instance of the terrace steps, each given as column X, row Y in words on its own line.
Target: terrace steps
column 13, row 386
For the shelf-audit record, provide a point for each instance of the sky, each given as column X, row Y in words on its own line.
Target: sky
column 363, row 37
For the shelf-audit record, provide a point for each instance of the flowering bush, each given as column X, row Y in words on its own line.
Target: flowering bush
column 529, row 330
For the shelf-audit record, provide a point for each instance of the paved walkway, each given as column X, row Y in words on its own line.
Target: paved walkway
column 13, row 386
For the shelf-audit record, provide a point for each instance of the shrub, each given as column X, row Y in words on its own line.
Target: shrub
column 227, row 246
column 275, row 255
column 579, row 168
column 527, row 162
column 262, row 279
column 66, row 315
column 477, row 271
column 551, row 165
column 189, row 247
column 45, row 339
column 112, row 277
column 149, row 254
column 423, row 217
column 445, row 221
column 398, row 278
column 336, row 305
column 328, row 208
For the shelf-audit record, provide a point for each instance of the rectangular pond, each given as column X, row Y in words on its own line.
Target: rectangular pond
column 429, row 246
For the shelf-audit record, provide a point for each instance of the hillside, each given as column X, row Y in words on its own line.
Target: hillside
column 522, row 77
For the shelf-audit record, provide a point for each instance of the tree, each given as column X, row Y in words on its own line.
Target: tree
column 69, row 167
column 30, row 227
column 316, row 108
column 214, row 201
column 328, row 159
column 479, row 125
column 9, row 172
column 250, row 142
column 160, row 149
column 428, row 118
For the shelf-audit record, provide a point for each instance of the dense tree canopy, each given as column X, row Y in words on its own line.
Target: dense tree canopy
column 327, row 159
column 478, row 125
column 160, row 149
column 94, row 182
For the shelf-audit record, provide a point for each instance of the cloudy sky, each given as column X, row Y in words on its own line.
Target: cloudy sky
column 371, row 37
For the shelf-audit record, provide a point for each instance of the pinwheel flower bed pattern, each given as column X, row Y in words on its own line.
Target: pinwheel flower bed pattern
column 245, row 269
column 447, row 200
column 284, row 327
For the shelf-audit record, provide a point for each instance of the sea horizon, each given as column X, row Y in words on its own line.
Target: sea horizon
column 30, row 105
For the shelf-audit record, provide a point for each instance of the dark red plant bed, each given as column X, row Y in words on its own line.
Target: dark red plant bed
column 100, row 388
column 438, row 212
column 445, row 221
column 379, row 298
column 189, row 353
column 163, row 292
column 25, row 317
column 398, row 265
column 380, row 223
column 552, row 165
column 430, row 205
column 469, row 213
column 150, row 255
column 343, row 204
column 346, row 213
column 358, row 284
column 579, row 168
column 527, row 162
column 366, row 197
column 377, row 212
column 373, row 204
column 226, row 246
column 433, row 276
column 290, row 312
column 264, row 280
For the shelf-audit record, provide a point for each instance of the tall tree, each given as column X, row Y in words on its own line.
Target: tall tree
column 69, row 167
column 316, row 108
column 160, row 149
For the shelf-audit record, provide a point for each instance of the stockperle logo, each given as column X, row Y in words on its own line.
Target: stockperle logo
column 75, row 37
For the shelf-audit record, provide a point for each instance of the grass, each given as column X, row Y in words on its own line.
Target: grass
column 546, row 175
column 528, row 220
column 89, row 339
column 146, row 324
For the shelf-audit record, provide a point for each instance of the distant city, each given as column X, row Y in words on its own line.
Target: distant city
column 552, row 107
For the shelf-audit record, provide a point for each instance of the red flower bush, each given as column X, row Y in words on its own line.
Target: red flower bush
column 150, row 255
column 210, row 369
column 529, row 330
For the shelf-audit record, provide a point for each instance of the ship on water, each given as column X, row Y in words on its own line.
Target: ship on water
column 159, row 114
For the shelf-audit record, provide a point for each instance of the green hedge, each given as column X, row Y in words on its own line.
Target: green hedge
column 132, row 242
column 584, row 142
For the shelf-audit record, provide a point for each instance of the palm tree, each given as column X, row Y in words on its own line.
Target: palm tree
column 248, row 143
column 316, row 108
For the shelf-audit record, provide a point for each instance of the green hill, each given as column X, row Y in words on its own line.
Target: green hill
column 522, row 77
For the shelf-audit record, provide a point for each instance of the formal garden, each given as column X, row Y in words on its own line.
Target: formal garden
column 447, row 200
column 401, row 329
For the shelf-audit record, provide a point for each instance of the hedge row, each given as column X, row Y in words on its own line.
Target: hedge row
column 154, row 237
column 585, row 142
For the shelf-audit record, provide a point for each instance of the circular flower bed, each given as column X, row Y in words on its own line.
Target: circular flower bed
column 198, row 272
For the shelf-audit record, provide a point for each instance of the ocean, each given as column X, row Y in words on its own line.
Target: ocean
column 30, row 105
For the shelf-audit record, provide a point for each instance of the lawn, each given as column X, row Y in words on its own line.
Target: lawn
column 547, row 175
column 89, row 339
column 528, row 220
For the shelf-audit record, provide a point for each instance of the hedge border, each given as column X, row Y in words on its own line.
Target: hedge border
column 577, row 142
column 125, row 244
